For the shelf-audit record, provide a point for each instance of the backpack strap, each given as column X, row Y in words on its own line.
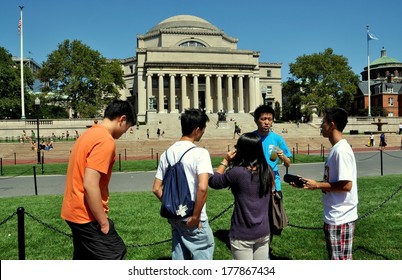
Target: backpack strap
column 181, row 155
column 186, row 153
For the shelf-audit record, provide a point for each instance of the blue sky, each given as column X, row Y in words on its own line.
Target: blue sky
column 280, row 30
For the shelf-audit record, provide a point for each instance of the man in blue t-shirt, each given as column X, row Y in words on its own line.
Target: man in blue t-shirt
column 274, row 146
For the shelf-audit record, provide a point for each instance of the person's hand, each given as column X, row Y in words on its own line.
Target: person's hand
column 105, row 228
column 193, row 222
column 310, row 184
column 280, row 153
column 230, row 155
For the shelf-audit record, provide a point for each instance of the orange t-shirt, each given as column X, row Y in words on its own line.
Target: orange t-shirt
column 95, row 149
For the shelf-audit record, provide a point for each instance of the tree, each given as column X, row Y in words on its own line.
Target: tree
column 291, row 101
column 325, row 80
column 277, row 110
column 81, row 79
column 10, row 85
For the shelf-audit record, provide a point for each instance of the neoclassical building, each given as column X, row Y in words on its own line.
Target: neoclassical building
column 185, row 61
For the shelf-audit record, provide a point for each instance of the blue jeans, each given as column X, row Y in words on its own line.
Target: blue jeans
column 191, row 243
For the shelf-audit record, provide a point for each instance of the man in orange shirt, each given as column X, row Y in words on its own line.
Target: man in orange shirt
column 85, row 203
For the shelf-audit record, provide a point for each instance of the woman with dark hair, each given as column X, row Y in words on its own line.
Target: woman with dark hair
column 251, row 181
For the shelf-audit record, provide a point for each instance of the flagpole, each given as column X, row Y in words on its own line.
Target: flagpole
column 21, row 28
column 368, row 72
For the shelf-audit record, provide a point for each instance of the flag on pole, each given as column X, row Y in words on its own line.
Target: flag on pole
column 371, row 36
column 19, row 25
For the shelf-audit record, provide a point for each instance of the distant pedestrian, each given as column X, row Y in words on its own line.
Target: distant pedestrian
column 158, row 132
column 371, row 139
column 383, row 143
column 237, row 130
column 147, row 133
column 400, row 128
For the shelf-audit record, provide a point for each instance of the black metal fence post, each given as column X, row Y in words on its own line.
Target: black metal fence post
column 35, row 182
column 21, row 233
column 119, row 161
column 381, row 163
column 42, row 163
column 294, row 155
column 157, row 160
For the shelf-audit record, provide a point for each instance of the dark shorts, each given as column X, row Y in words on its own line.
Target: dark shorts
column 90, row 243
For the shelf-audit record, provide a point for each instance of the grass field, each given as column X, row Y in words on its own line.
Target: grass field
column 147, row 235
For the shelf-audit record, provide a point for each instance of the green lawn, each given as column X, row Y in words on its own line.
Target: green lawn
column 147, row 235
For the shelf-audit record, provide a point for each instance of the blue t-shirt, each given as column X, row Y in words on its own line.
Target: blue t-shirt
column 268, row 143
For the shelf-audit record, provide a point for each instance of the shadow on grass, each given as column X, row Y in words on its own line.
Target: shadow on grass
column 223, row 235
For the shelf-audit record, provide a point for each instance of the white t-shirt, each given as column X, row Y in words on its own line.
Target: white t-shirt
column 196, row 161
column 340, row 207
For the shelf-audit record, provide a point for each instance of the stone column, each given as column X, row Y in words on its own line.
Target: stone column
column 219, row 92
column 141, row 93
column 241, row 94
column 195, row 91
column 230, row 93
column 183, row 92
column 149, row 90
column 172, row 99
column 161, row 108
column 208, row 96
column 251, row 94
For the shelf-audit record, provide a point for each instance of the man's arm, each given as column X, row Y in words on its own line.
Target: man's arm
column 342, row 186
column 284, row 158
column 157, row 188
column 201, row 198
column 94, row 198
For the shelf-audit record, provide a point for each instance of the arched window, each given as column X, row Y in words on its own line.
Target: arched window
column 192, row 44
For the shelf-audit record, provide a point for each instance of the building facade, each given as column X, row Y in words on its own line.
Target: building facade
column 185, row 61
column 385, row 86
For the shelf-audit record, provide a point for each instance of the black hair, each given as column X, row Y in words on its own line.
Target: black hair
column 263, row 109
column 249, row 152
column 336, row 115
column 118, row 108
column 191, row 119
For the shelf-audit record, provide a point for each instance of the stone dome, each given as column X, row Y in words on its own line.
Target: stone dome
column 184, row 22
column 384, row 59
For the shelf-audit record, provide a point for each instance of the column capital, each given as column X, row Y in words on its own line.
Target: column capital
column 161, row 74
column 172, row 75
column 230, row 76
column 196, row 75
column 149, row 74
column 183, row 75
column 219, row 75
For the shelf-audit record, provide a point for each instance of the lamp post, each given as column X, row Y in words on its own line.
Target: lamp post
column 37, row 104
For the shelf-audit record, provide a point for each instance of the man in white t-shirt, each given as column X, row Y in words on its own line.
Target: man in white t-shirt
column 339, row 187
column 192, row 237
